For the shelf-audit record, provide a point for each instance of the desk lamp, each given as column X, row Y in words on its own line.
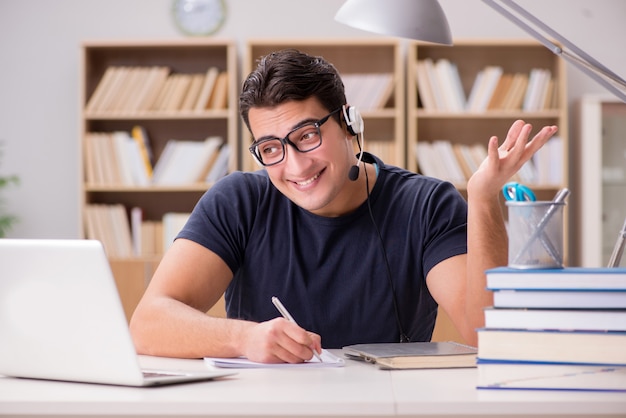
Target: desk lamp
column 424, row 20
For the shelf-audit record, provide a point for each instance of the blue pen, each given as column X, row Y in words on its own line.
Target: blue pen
column 285, row 313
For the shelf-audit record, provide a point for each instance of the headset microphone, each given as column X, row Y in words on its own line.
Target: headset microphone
column 353, row 174
column 354, row 123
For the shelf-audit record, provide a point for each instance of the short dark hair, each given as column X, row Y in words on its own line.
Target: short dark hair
column 287, row 75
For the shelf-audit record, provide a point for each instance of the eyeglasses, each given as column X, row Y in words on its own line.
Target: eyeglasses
column 304, row 138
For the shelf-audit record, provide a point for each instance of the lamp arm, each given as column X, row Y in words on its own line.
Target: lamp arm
column 579, row 58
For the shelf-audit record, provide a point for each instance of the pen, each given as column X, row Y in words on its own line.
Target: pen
column 285, row 313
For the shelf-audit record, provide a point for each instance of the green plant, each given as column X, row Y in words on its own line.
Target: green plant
column 6, row 220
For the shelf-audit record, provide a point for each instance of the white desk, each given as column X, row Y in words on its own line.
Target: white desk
column 358, row 389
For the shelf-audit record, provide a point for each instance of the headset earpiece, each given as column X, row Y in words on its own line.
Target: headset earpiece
column 354, row 120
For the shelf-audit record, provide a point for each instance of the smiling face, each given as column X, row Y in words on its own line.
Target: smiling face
column 316, row 180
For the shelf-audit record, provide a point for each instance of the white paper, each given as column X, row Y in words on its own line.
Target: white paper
column 328, row 360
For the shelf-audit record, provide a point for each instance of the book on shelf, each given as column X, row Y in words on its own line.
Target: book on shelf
column 548, row 161
column 104, row 101
column 439, row 85
column 123, row 158
column 428, row 162
column 173, row 222
column 129, row 89
column 515, row 96
column 573, row 278
column 552, row 346
column 151, row 238
column 184, row 161
column 368, row 91
column 147, row 235
column 496, row 101
column 483, row 88
column 110, row 225
column 417, row 355
column 219, row 167
column 448, row 81
column 208, row 85
column 453, row 170
column 424, row 88
column 136, row 230
column 431, row 79
column 537, row 91
column 556, row 319
column 99, row 165
column 114, row 159
column 191, row 98
column 180, row 87
column 140, row 135
column 454, row 162
column 573, row 377
column 219, row 96
column 92, row 170
column 97, row 97
column 166, row 91
column 155, row 80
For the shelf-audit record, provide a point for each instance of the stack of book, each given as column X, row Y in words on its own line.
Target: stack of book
column 554, row 329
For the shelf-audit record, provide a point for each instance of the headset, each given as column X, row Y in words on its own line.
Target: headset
column 355, row 125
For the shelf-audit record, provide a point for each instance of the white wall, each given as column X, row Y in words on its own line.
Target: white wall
column 39, row 73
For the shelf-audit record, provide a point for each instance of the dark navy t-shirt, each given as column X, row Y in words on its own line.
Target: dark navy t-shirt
column 331, row 273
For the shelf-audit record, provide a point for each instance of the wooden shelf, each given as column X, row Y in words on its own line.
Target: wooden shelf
column 470, row 56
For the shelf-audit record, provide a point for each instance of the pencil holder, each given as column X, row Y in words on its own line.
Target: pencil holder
column 535, row 231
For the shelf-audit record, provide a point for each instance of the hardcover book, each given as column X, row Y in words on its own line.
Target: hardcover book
column 593, row 347
column 557, row 319
column 560, row 299
column 499, row 375
column 603, row 278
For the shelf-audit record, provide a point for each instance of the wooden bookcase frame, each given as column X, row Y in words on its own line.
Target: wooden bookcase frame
column 186, row 56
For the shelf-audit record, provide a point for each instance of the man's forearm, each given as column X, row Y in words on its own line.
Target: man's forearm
column 487, row 247
column 173, row 329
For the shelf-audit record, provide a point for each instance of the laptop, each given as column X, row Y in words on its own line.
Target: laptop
column 61, row 317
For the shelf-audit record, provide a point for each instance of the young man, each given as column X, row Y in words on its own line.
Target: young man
column 358, row 251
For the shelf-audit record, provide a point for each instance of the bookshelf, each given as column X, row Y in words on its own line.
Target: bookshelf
column 600, row 154
column 150, row 84
column 471, row 126
column 360, row 62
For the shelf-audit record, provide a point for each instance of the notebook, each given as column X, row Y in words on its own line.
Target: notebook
column 61, row 317
column 417, row 355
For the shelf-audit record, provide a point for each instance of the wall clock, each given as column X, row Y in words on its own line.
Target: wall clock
column 199, row 17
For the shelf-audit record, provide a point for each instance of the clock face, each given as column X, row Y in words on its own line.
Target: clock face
column 199, row 17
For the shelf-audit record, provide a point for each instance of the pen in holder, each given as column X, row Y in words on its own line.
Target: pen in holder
column 536, row 232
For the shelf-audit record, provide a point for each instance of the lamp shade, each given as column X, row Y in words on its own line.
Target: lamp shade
column 422, row 20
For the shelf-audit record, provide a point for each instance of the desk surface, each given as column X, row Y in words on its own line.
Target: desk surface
column 359, row 389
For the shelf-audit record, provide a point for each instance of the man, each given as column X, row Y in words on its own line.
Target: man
column 358, row 251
